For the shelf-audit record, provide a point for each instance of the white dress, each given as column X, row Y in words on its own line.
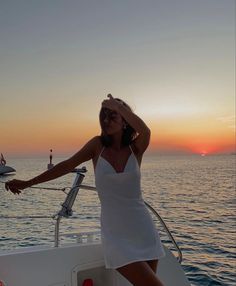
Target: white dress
column 127, row 230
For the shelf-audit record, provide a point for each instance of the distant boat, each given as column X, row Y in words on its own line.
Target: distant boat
column 6, row 169
column 3, row 168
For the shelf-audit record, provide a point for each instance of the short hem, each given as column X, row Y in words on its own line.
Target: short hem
column 135, row 260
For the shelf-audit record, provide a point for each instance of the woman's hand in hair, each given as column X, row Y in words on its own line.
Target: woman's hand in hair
column 111, row 103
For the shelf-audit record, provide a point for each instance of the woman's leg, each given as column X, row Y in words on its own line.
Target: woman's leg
column 153, row 264
column 140, row 274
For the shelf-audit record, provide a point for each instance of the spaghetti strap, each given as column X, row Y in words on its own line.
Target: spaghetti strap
column 101, row 151
column 131, row 149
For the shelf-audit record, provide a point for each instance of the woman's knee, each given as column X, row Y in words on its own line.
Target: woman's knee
column 153, row 264
column 140, row 274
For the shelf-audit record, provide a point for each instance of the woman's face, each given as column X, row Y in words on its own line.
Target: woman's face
column 111, row 121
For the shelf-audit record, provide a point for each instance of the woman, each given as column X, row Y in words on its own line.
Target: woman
column 130, row 242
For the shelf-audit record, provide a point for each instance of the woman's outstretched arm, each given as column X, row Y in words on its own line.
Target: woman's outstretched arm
column 86, row 153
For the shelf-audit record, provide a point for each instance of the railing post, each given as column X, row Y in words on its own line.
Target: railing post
column 56, row 240
column 66, row 209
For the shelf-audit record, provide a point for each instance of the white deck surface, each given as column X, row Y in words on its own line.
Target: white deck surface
column 69, row 265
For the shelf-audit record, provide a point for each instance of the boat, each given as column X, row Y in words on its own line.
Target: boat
column 79, row 263
column 3, row 168
column 6, row 170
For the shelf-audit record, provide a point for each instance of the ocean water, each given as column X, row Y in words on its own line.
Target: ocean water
column 194, row 195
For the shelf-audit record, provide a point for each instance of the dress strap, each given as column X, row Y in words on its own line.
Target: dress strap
column 101, row 151
column 131, row 149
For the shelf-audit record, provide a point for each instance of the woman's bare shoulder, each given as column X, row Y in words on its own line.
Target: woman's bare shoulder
column 96, row 139
column 97, row 148
column 97, row 144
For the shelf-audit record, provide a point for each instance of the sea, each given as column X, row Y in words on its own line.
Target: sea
column 195, row 195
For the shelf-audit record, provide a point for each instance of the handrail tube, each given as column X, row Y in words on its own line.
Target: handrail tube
column 66, row 209
column 56, row 238
column 70, row 198
column 180, row 257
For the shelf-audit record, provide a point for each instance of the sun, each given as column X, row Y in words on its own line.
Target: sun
column 203, row 153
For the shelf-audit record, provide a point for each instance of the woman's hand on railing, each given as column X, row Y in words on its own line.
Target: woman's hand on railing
column 16, row 185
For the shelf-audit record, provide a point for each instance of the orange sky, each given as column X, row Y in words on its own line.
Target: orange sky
column 174, row 64
column 190, row 135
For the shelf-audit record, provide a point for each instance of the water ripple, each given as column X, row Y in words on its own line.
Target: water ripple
column 194, row 195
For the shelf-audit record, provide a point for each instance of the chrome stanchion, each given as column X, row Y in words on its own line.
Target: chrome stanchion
column 66, row 210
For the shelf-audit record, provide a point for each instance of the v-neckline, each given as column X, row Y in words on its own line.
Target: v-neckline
column 112, row 165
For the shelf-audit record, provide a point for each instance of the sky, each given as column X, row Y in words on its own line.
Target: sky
column 172, row 61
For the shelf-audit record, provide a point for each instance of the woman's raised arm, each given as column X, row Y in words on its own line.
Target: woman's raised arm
column 142, row 141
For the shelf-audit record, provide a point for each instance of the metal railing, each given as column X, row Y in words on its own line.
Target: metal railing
column 66, row 210
column 75, row 189
column 180, row 256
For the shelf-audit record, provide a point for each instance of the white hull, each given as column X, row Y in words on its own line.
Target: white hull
column 6, row 169
column 70, row 265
